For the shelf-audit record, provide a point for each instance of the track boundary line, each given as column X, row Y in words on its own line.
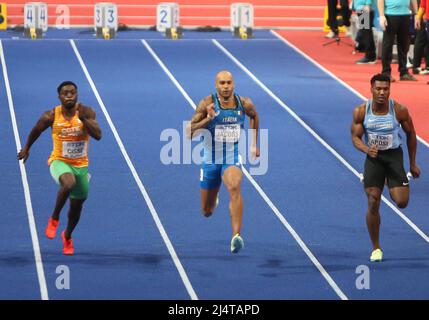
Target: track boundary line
column 139, row 182
column 283, row 220
column 316, row 136
column 30, row 214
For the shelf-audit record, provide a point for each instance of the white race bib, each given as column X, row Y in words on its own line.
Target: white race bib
column 227, row 133
column 383, row 142
column 74, row 149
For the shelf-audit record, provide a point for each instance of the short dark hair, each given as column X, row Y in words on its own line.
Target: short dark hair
column 380, row 77
column 65, row 83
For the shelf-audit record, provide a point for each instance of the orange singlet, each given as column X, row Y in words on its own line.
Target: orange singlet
column 70, row 140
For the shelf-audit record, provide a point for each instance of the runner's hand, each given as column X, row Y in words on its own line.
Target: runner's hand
column 254, row 152
column 23, row 154
column 415, row 171
column 211, row 114
column 373, row 151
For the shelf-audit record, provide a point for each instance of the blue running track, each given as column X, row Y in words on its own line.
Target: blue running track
column 124, row 252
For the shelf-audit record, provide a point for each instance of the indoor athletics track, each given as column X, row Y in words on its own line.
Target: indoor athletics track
column 142, row 235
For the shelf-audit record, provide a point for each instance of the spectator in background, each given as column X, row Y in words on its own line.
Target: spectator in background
column 421, row 44
column 332, row 17
column 365, row 10
column 395, row 21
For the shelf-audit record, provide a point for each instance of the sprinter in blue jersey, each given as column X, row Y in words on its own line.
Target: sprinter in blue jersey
column 222, row 116
column 379, row 120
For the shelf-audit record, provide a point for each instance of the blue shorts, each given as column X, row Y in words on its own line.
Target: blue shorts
column 211, row 174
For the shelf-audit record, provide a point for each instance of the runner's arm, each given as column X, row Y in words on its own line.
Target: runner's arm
column 253, row 115
column 357, row 129
column 87, row 116
column 407, row 125
column 201, row 117
column 42, row 124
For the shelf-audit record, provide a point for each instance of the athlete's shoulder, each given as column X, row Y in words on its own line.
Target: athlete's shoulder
column 46, row 119
column 243, row 99
column 401, row 111
column 86, row 110
column 359, row 112
column 361, row 107
column 48, row 115
column 90, row 110
column 204, row 102
column 84, row 107
column 246, row 102
column 398, row 106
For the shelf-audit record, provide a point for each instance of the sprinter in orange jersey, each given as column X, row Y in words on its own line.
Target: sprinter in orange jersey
column 71, row 124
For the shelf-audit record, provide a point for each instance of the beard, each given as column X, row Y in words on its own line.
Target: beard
column 69, row 105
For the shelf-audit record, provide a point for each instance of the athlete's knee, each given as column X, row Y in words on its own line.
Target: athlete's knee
column 402, row 203
column 233, row 188
column 232, row 180
column 68, row 186
column 373, row 203
column 400, row 198
column 67, row 182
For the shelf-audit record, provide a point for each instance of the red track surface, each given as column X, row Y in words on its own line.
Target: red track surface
column 340, row 61
column 267, row 13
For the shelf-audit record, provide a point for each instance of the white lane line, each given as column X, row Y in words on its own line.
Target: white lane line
column 139, row 38
column 30, row 214
column 258, row 188
column 318, row 65
column 316, row 136
column 136, row 176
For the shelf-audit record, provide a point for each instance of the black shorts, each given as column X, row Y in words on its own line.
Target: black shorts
column 389, row 165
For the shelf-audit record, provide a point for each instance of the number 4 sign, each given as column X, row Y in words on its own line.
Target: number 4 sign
column 36, row 16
